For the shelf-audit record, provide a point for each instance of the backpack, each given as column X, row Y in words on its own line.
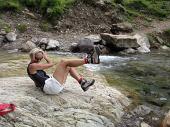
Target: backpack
column 6, row 108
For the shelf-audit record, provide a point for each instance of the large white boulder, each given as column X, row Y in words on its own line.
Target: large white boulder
column 53, row 44
column 120, row 41
column 11, row 36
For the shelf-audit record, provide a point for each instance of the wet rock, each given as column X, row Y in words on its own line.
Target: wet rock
column 100, row 106
column 11, row 36
column 164, row 47
column 86, row 44
column 13, row 51
column 129, row 51
column 156, row 101
column 143, row 124
column 26, row 47
column 121, row 28
column 74, row 47
column 143, row 41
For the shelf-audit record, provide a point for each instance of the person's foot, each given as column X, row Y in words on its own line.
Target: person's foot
column 86, row 84
column 93, row 57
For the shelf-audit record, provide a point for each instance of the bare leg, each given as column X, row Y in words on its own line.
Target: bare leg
column 63, row 68
column 75, row 74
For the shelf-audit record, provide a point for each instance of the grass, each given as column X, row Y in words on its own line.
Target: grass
column 45, row 26
column 49, row 8
column 22, row 28
column 154, row 8
column 9, row 5
column 5, row 26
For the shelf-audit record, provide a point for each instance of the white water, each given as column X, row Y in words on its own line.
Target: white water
column 108, row 62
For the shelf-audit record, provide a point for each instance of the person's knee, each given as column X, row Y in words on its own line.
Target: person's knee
column 63, row 62
column 68, row 69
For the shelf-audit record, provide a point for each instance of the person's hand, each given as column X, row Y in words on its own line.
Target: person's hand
column 45, row 55
column 33, row 57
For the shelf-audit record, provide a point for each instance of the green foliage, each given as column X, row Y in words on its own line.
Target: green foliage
column 49, row 8
column 57, row 7
column 118, row 1
column 9, row 5
column 167, row 32
column 5, row 26
column 22, row 28
column 157, row 8
column 45, row 26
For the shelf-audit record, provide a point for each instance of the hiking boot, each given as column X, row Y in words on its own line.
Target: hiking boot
column 86, row 84
column 93, row 57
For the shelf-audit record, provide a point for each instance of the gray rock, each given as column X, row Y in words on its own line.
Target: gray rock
column 164, row 47
column 26, row 47
column 143, row 124
column 74, row 47
column 86, row 44
column 143, row 41
column 53, row 44
column 130, row 51
column 120, row 28
column 95, row 39
column 100, row 106
column 104, row 1
column 44, row 41
column 2, row 32
column 35, row 40
column 11, row 36
column 1, row 39
column 141, row 110
column 120, row 41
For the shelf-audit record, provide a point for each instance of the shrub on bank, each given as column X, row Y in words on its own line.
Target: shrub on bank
column 49, row 8
column 9, row 5
column 156, row 8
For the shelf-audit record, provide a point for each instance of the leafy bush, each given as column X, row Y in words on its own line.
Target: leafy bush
column 22, row 27
column 45, row 26
column 9, row 5
column 50, row 8
column 157, row 8
column 5, row 26
column 119, row 1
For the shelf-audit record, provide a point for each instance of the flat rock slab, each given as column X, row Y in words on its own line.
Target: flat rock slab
column 120, row 41
column 100, row 106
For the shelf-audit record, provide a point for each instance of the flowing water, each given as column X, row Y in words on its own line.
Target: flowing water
column 145, row 78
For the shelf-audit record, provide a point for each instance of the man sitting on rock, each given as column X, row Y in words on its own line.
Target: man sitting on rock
column 54, row 84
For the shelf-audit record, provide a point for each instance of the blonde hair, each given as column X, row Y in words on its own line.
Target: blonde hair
column 34, row 51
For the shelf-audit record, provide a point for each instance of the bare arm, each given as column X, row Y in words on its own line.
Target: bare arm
column 39, row 66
